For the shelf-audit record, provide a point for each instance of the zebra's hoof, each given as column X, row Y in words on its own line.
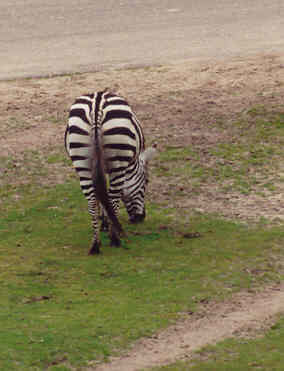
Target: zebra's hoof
column 95, row 249
column 115, row 241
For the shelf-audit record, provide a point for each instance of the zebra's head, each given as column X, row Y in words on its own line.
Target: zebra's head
column 135, row 186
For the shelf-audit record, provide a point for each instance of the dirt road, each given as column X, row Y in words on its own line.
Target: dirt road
column 43, row 38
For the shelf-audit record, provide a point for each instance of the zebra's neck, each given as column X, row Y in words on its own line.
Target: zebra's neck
column 135, row 175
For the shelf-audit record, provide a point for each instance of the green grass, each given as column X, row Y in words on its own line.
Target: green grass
column 265, row 353
column 58, row 157
column 59, row 306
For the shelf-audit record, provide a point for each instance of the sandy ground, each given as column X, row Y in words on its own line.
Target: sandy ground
column 179, row 105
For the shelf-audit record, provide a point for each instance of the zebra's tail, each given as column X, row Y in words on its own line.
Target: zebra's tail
column 99, row 176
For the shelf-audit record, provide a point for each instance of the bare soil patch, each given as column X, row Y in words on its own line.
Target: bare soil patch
column 245, row 315
column 180, row 105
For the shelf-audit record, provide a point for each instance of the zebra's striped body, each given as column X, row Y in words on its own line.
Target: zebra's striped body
column 104, row 137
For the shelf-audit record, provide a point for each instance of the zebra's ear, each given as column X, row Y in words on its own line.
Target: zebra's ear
column 149, row 153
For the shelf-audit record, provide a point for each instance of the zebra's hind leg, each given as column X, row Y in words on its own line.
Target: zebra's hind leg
column 104, row 220
column 95, row 249
column 114, row 235
column 114, row 239
column 94, row 212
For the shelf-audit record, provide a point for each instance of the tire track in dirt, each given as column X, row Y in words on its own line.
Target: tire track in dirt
column 244, row 313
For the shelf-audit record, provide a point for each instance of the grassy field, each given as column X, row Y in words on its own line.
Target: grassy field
column 58, row 305
column 214, row 221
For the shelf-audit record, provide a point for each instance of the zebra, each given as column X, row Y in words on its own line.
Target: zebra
column 106, row 144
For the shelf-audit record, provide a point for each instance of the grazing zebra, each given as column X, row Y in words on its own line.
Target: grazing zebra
column 106, row 145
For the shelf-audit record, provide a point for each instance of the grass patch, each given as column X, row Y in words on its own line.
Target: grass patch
column 264, row 353
column 58, row 305
column 57, row 157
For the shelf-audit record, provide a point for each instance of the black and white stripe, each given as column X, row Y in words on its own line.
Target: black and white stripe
column 104, row 137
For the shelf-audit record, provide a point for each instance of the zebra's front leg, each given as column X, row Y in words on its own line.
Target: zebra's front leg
column 94, row 212
column 114, row 235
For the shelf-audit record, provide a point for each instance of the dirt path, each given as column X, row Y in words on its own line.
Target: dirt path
column 245, row 314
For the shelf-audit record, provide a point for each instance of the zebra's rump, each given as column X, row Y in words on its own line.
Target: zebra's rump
column 122, row 136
